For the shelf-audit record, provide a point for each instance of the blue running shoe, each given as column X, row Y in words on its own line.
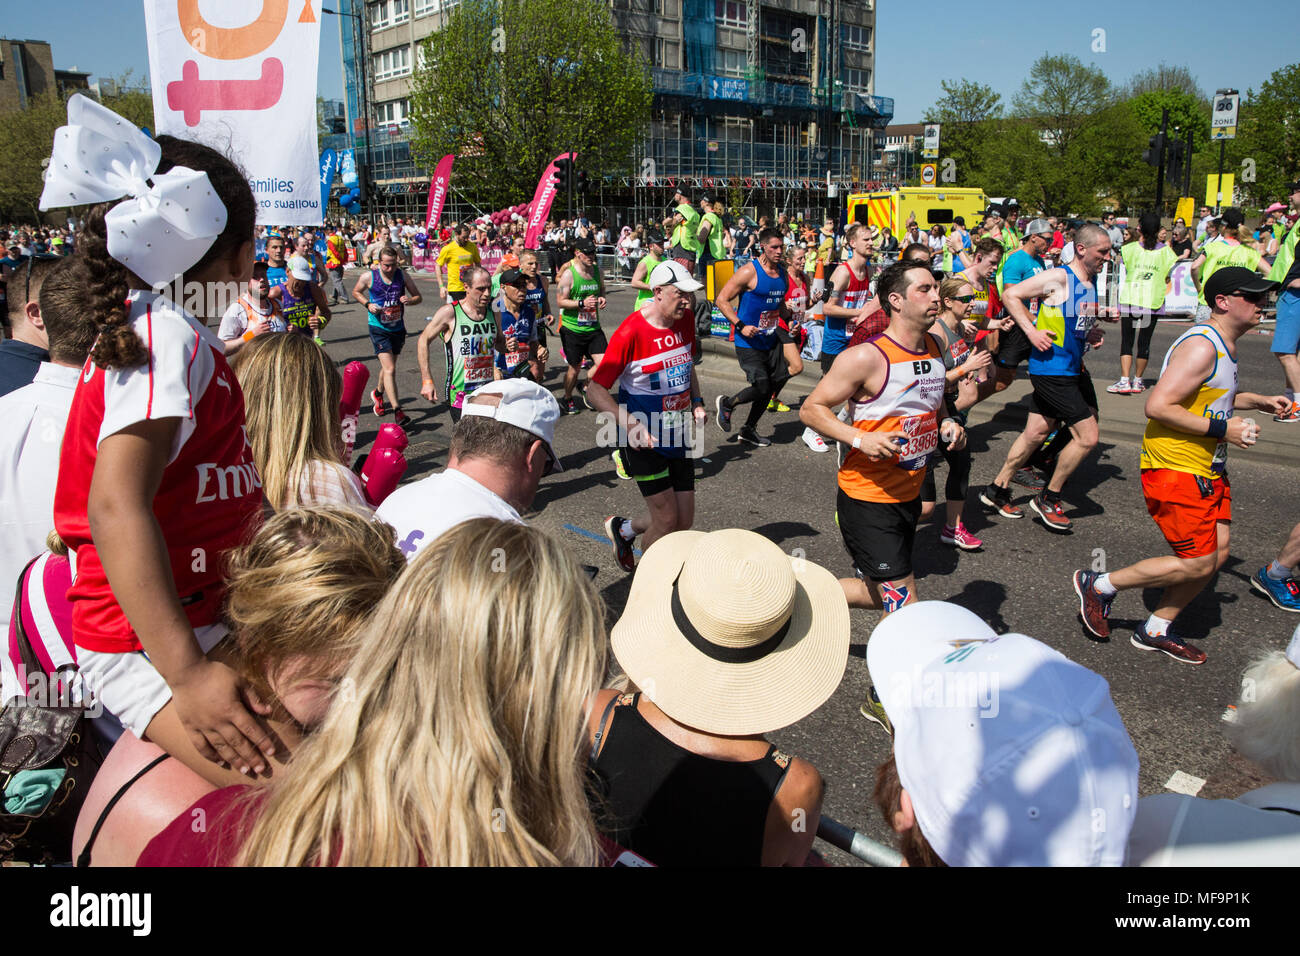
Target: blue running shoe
column 1285, row 593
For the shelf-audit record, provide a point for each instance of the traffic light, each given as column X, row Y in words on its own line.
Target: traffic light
column 563, row 170
column 1156, row 143
column 581, row 181
column 1174, row 154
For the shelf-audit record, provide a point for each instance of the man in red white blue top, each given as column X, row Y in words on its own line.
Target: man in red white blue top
column 659, row 412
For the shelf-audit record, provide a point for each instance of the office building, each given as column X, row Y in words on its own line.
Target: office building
column 27, row 71
column 776, row 99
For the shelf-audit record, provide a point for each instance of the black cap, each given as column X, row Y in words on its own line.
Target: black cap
column 1293, row 187
column 1232, row 279
column 655, row 239
column 959, row 220
column 513, row 277
column 584, row 245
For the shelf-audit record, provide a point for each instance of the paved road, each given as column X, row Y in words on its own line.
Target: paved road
column 1019, row 582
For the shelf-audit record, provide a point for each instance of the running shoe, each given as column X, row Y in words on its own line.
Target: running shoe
column 622, row 547
column 587, row 401
column 618, row 466
column 1094, row 609
column 586, row 363
column 960, row 537
column 724, row 413
column 1174, row 646
column 814, row 441
column 874, row 711
column 571, row 407
column 1121, row 387
column 1137, row 385
column 1290, row 416
column 378, row 399
column 1053, row 514
column 1285, row 593
column 776, row 405
column 1026, row 478
column 402, row 419
column 751, row 437
column 999, row 499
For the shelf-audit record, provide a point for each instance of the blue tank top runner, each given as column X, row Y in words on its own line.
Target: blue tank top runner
column 761, row 308
column 388, row 295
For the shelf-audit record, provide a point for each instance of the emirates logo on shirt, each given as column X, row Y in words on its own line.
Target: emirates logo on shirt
column 226, row 482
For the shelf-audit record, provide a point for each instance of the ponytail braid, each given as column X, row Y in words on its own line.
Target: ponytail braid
column 107, row 284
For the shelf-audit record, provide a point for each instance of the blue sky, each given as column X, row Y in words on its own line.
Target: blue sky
column 918, row 44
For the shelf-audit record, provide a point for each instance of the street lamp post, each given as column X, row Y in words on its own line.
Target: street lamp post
column 360, row 46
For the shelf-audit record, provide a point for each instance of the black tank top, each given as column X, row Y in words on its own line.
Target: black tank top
column 675, row 807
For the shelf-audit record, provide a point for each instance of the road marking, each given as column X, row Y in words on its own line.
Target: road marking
column 594, row 537
column 1184, row 783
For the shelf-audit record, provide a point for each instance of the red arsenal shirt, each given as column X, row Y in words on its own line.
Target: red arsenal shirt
column 210, row 499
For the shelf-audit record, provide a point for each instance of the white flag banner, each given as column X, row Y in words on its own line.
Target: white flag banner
column 244, row 83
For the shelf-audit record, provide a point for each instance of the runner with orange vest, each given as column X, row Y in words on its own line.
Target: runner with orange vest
column 894, row 387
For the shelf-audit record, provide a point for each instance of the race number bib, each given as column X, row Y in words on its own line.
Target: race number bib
column 588, row 318
column 768, row 319
column 1219, row 463
column 922, row 439
column 391, row 315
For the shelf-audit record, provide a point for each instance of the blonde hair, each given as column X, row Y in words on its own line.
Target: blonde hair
column 458, row 737
column 305, row 585
column 1267, row 728
column 291, row 403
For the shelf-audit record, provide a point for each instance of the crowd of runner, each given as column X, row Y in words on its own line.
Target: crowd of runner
column 336, row 674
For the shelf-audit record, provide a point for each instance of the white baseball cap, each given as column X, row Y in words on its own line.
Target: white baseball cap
column 674, row 274
column 1012, row 754
column 300, row 268
column 523, row 404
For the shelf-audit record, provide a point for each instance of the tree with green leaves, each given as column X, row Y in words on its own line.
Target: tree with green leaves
column 1060, row 96
column 508, row 85
column 27, row 139
column 1268, row 136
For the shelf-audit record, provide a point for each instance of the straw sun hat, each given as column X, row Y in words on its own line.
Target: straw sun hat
column 728, row 634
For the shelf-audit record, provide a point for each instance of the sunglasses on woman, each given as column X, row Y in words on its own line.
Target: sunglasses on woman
column 961, row 298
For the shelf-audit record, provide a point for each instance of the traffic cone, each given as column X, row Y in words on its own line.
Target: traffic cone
column 382, row 471
column 818, row 286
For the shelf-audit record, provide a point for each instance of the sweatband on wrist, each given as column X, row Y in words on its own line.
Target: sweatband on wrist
column 248, row 336
column 1217, row 428
column 697, row 400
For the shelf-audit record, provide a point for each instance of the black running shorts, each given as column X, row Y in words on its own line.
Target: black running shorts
column 578, row 345
column 655, row 472
column 1070, row 398
column 1013, row 348
column 878, row 535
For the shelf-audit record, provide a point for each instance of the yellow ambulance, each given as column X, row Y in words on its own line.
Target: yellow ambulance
column 930, row 206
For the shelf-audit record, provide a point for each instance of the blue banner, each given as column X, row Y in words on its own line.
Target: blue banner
column 727, row 89
column 329, row 165
column 348, row 168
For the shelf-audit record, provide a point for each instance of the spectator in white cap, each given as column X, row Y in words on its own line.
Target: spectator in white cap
column 660, row 412
column 1260, row 827
column 501, row 449
column 726, row 638
column 1006, row 753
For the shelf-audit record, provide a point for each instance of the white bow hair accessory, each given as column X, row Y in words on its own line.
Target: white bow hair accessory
column 160, row 231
